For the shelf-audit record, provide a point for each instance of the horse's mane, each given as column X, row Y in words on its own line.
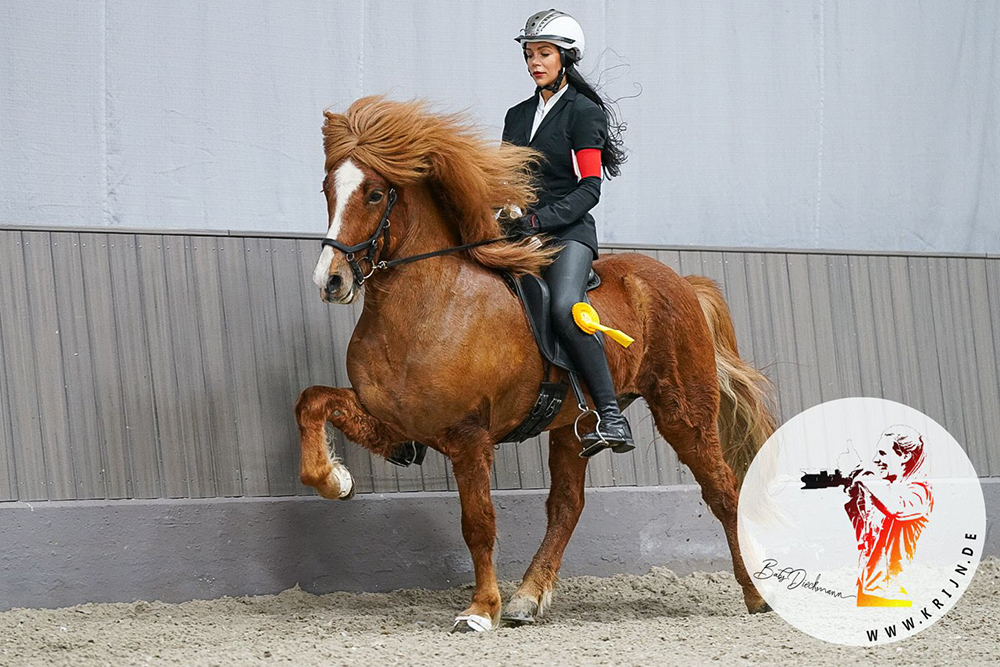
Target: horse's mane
column 406, row 143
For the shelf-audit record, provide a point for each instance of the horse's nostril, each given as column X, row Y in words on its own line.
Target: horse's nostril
column 333, row 284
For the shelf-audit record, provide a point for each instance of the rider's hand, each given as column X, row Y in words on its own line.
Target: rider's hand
column 522, row 227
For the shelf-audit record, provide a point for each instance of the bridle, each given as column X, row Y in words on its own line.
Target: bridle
column 374, row 253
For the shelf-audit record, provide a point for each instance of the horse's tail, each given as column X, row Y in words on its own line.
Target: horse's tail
column 746, row 414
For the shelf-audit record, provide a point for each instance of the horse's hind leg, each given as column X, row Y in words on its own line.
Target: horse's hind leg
column 318, row 467
column 698, row 447
column 564, row 506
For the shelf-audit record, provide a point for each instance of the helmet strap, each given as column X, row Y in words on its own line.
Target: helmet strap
column 554, row 86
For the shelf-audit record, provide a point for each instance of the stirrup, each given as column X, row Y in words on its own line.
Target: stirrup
column 596, row 442
column 601, row 444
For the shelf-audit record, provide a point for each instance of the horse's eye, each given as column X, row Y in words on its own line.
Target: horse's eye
column 375, row 197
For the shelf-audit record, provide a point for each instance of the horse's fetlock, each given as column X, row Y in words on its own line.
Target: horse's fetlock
column 316, row 477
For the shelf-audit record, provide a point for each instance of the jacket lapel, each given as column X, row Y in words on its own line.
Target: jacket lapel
column 553, row 112
column 528, row 118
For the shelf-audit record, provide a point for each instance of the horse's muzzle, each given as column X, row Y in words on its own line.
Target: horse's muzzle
column 337, row 290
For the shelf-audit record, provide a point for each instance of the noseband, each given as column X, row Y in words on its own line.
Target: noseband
column 373, row 257
column 375, row 253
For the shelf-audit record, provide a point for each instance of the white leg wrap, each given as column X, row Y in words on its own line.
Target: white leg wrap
column 477, row 623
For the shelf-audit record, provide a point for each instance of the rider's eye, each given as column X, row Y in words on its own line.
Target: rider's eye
column 375, row 197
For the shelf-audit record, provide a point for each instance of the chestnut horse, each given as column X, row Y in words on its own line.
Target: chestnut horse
column 443, row 353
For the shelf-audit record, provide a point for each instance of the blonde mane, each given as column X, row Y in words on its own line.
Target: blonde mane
column 406, row 143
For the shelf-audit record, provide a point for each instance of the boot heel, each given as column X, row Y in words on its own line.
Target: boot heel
column 622, row 448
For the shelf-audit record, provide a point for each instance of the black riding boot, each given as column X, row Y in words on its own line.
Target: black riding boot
column 566, row 278
column 613, row 429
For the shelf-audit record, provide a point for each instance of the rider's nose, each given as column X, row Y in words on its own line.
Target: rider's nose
column 333, row 284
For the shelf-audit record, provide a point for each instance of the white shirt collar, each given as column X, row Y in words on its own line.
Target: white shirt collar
column 543, row 108
column 542, row 104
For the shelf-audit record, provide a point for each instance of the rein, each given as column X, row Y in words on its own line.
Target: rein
column 374, row 254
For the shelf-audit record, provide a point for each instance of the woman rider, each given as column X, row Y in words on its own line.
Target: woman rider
column 567, row 121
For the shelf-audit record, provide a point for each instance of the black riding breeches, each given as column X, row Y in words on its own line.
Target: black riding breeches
column 566, row 278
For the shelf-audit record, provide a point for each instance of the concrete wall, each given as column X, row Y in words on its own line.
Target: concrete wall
column 66, row 553
column 821, row 124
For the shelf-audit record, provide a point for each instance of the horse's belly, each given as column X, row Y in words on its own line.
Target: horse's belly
column 434, row 388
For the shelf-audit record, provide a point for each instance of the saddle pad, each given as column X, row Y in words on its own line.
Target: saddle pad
column 533, row 293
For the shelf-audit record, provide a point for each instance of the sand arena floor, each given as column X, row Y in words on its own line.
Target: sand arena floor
column 655, row 619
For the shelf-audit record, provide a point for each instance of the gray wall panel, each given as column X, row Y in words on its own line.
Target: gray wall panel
column 189, row 366
column 239, row 349
column 961, row 331
column 803, row 329
column 278, row 365
column 168, row 365
column 985, row 331
column 8, row 474
column 845, row 348
column 105, row 344
column 134, row 341
column 903, row 318
column 948, row 353
column 82, row 419
column 176, row 434
column 218, row 403
column 49, row 378
column 864, row 325
column 22, row 395
column 931, row 384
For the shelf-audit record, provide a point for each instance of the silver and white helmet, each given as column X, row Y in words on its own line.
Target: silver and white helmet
column 556, row 27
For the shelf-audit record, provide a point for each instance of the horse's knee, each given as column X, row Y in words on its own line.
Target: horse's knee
column 312, row 404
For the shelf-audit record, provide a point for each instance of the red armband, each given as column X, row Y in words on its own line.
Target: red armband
column 588, row 162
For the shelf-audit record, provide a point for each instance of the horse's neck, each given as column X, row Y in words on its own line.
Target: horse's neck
column 415, row 286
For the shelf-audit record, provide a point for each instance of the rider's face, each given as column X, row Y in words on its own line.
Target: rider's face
column 543, row 62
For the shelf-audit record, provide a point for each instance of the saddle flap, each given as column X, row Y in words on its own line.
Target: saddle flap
column 534, row 295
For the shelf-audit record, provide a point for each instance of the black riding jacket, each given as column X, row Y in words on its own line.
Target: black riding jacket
column 564, row 200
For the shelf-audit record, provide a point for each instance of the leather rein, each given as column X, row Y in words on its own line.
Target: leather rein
column 374, row 253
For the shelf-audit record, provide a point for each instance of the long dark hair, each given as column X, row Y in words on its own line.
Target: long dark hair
column 613, row 153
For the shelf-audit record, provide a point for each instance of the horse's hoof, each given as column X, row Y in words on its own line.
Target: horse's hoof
column 344, row 479
column 472, row 623
column 763, row 608
column 519, row 611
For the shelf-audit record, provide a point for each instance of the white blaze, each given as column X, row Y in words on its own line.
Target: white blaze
column 346, row 180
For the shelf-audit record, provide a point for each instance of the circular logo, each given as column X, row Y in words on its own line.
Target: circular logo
column 861, row 521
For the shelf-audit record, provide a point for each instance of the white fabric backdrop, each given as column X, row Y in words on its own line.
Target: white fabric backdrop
column 828, row 124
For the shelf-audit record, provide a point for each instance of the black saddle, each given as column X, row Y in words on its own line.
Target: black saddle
column 534, row 295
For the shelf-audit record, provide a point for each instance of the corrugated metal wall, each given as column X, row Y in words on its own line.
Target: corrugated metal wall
column 148, row 366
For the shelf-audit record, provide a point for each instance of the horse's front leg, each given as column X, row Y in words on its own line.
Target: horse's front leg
column 471, row 455
column 318, row 467
column 564, row 507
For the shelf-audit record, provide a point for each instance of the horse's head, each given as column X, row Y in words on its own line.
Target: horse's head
column 378, row 142
column 357, row 201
